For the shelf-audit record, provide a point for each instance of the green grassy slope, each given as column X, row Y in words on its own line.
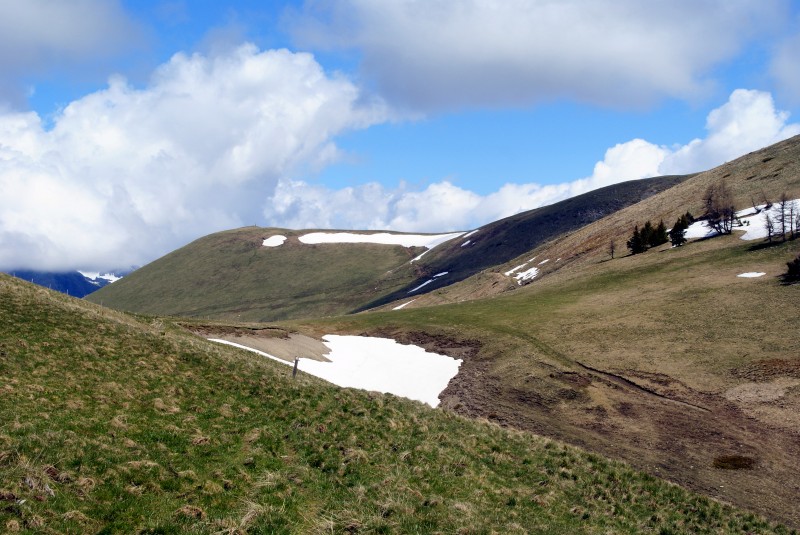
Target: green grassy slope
column 230, row 275
column 113, row 424
column 665, row 359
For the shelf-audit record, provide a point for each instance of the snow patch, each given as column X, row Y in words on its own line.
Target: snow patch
column 274, row 241
column 442, row 274
column 470, row 233
column 511, row 271
column 546, row 260
column 427, row 282
column 378, row 364
column 383, row 238
column 404, row 305
column 383, row 365
column 466, row 243
column 751, row 274
column 753, row 222
column 529, row 274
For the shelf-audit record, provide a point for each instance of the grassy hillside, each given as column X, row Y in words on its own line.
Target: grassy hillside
column 501, row 241
column 755, row 178
column 230, row 275
column 113, row 424
column 665, row 359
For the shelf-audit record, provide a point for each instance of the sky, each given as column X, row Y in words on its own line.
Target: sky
column 129, row 128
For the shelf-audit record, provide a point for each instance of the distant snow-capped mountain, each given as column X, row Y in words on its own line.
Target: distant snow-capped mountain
column 75, row 283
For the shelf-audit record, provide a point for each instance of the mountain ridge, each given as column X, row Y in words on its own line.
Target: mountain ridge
column 232, row 275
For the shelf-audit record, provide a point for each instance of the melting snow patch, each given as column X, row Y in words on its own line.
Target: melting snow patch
column 378, row 364
column 404, row 305
column 753, row 222
column 470, row 233
column 427, row 282
column 511, row 271
column 274, row 241
column 526, row 275
column 442, row 274
column 751, row 274
column 546, row 260
column 466, row 243
column 383, row 365
column 384, row 238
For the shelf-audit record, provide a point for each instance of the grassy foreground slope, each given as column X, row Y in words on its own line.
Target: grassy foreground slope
column 667, row 359
column 112, row 424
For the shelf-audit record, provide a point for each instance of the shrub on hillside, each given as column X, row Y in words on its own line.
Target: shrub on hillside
column 793, row 272
column 677, row 234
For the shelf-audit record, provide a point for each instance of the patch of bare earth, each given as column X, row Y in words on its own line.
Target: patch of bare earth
column 654, row 422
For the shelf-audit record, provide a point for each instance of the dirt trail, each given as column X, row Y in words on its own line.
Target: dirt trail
column 277, row 342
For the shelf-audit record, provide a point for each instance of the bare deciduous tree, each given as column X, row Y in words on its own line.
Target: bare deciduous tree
column 783, row 219
column 719, row 207
column 770, row 227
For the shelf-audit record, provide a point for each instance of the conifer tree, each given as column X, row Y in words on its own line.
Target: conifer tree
column 677, row 235
column 646, row 234
column 659, row 235
column 793, row 273
column 636, row 243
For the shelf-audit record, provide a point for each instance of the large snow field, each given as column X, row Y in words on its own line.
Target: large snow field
column 378, row 364
column 429, row 241
column 406, row 240
column 753, row 223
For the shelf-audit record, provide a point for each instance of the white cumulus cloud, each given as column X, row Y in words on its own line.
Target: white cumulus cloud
column 746, row 122
column 127, row 174
column 454, row 53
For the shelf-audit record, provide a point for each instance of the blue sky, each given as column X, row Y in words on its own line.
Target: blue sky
column 128, row 128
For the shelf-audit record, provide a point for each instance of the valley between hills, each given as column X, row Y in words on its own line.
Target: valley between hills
column 649, row 393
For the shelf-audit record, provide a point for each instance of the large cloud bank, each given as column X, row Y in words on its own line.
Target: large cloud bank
column 454, row 53
column 127, row 174
column 746, row 122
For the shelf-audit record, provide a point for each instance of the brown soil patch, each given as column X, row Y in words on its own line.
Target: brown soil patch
column 702, row 441
column 443, row 344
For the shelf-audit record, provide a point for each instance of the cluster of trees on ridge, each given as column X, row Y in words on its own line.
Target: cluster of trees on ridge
column 649, row 236
column 781, row 219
